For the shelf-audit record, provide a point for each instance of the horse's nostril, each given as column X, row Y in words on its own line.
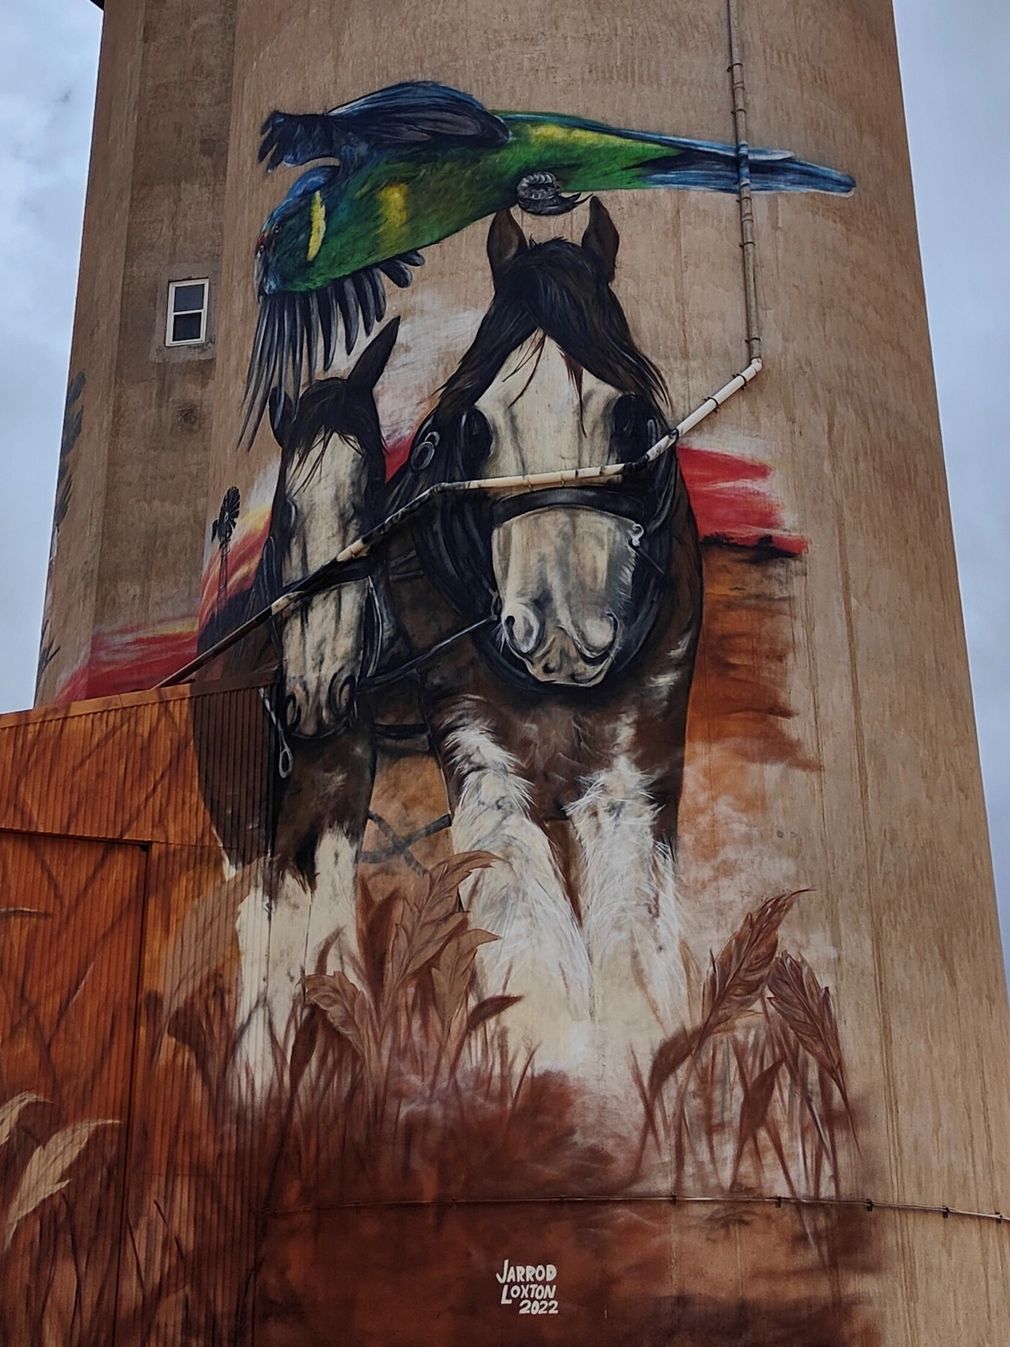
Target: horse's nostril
column 523, row 628
column 341, row 698
column 292, row 711
column 596, row 644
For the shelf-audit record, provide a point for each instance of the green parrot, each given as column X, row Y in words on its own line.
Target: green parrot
column 416, row 162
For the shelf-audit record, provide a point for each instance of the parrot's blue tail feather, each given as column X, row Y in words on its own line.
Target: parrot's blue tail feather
column 708, row 164
column 716, row 168
column 779, row 171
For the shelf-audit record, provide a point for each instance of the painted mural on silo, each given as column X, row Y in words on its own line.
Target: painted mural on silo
column 475, row 948
column 493, row 1025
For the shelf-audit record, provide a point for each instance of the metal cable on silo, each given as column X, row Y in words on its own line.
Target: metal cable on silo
column 748, row 243
column 779, row 1201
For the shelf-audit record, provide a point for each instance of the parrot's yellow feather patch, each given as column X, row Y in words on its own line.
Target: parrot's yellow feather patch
column 393, row 207
column 566, row 135
column 317, row 226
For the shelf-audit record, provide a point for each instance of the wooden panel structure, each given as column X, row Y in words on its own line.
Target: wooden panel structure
column 69, row 961
column 106, row 851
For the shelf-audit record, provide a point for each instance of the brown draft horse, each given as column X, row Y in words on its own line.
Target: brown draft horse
column 330, row 489
column 560, row 724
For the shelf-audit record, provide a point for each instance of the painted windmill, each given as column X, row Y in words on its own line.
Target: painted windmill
column 222, row 529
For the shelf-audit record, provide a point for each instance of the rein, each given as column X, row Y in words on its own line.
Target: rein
column 309, row 585
column 333, row 571
column 389, row 677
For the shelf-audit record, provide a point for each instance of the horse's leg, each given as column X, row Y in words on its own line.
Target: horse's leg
column 540, row 954
column 308, row 923
column 630, row 913
column 267, row 928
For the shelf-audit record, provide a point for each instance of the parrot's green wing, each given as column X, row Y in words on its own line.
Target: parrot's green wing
column 298, row 325
column 404, row 114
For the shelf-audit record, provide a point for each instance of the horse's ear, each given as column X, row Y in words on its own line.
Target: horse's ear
column 601, row 237
column 505, row 240
column 371, row 362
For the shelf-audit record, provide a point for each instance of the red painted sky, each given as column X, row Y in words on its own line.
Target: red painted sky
column 729, row 492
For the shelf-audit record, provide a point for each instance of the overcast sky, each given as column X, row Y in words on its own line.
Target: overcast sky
column 958, row 100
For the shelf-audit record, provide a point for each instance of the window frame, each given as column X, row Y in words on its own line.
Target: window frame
column 172, row 313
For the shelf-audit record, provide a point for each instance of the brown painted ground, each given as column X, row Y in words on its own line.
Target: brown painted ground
column 630, row 1276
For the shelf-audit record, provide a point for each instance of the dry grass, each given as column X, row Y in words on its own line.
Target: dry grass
column 414, row 1090
column 59, row 1212
column 752, row 1096
column 401, row 1085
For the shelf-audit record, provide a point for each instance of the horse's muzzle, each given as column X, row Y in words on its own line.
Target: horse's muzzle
column 309, row 716
column 553, row 653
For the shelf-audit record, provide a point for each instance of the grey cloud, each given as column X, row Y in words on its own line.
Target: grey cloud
column 48, row 62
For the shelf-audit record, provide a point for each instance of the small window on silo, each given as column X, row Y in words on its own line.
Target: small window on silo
column 187, row 313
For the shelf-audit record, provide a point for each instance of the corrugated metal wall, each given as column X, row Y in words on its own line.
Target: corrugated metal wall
column 125, row 1214
column 72, row 913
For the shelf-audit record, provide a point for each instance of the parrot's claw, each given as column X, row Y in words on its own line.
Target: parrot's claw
column 539, row 194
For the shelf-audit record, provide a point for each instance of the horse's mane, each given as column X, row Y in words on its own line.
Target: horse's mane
column 332, row 407
column 557, row 288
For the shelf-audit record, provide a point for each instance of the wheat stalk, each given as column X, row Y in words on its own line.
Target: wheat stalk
column 430, row 917
column 346, row 1007
column 45, row 1173
column 737, row 977
column 12, row 1110
column 735, row 980
column 806, row 1008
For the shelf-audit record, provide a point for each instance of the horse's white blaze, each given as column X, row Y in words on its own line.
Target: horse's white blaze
column 540, row 417
column 630, row 912
column 564, row 575
column 322, row 638
column 540, row 955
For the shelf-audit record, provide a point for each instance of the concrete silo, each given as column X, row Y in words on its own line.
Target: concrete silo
column 570, row 917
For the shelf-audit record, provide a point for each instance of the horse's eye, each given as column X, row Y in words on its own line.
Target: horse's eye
column 475, row 436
